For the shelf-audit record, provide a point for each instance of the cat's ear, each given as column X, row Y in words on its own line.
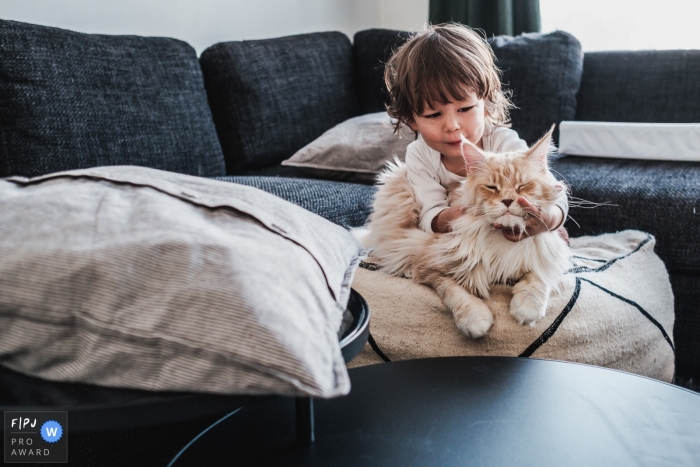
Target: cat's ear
column 473, row 156
column 539, row 151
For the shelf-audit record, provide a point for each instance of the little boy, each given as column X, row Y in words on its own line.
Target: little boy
column 444, row 85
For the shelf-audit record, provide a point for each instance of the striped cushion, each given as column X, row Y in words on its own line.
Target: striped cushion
column 614, row 309
column 139, row 278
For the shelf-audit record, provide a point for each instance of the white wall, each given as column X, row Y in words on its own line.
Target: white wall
column 598, row 24
column 625, row 24
column 205, row 22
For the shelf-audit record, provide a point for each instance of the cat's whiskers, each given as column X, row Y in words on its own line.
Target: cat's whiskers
column 560, row 174
column 583, row 203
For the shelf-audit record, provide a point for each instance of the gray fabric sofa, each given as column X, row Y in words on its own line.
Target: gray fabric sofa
column 70, row 100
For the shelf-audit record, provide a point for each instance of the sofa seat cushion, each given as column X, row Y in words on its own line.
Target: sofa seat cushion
column 613, row 308
column 543, row 72
column 659, row 197
column 345, row 204
column 271, row 97
column 139, row 278
column 70, row 100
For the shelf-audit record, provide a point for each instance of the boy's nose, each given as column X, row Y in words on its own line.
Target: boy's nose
column 451, row 125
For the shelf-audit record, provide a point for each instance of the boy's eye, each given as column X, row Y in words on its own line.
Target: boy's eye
column 433, row 115
column 466, row 109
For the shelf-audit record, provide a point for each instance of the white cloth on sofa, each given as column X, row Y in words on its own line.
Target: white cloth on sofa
column 655, row 141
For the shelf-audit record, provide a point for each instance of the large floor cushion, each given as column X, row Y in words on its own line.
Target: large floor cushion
column 614, row 309
column 70, row 100
column 140, row 278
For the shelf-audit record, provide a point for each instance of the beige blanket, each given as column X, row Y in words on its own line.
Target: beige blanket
column 614, row 309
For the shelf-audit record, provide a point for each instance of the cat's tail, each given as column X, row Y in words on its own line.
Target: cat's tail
column 393, row 224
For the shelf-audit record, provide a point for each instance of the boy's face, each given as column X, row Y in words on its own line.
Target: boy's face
column 442, row 126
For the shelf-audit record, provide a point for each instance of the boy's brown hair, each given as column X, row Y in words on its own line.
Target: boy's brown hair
column 435, row 65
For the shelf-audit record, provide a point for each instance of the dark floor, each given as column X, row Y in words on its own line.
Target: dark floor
column 688, row 378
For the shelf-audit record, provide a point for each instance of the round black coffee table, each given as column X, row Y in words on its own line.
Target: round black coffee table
column 470, row 411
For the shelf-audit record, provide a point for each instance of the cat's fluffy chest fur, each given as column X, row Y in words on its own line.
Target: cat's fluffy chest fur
column 462, row 265
column 476, row 255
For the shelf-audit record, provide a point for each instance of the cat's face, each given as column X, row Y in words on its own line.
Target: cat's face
column 496, row 181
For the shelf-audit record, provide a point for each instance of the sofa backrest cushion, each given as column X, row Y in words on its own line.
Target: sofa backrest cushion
column 270, row 98
column 543, row 72
column 70, row 100
column 655, row 86
column 372, row 48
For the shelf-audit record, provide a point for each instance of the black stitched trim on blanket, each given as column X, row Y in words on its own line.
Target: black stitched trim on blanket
column 597, row 260
column 549, row 332
column 370, row 266
column 611, row 262
column 377, row 350
column 642, row 310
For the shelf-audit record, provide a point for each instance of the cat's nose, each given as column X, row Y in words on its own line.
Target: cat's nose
column 506, row 202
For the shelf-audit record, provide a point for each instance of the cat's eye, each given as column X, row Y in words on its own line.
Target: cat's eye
column 491, row 187
column 517, row 190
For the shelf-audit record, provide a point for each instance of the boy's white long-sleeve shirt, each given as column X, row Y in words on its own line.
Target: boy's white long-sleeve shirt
column 430, row 178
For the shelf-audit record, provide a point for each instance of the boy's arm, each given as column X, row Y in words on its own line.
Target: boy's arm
column 442, row 222
column 430, row 194
column 563, row 204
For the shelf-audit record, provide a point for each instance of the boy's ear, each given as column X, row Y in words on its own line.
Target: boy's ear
column 473, row 156
column 412, row 124
column 539, row 151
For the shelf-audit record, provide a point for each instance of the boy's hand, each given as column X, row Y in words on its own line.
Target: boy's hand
column 537, row 222
column 441, row 222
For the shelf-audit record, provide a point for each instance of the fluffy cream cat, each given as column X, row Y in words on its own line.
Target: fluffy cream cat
column 461, row 265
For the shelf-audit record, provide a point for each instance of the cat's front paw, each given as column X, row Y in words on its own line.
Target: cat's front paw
column 475, row 321
column 528, row 305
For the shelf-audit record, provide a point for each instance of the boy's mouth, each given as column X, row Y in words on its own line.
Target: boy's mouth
column 455, row 143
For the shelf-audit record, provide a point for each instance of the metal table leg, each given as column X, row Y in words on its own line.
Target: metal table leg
column 305, row 420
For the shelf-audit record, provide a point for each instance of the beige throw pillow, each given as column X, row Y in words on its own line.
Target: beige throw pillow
column 353, row 151
column 139, row 278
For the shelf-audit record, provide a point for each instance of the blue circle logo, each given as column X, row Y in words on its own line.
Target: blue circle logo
column 51, row 431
